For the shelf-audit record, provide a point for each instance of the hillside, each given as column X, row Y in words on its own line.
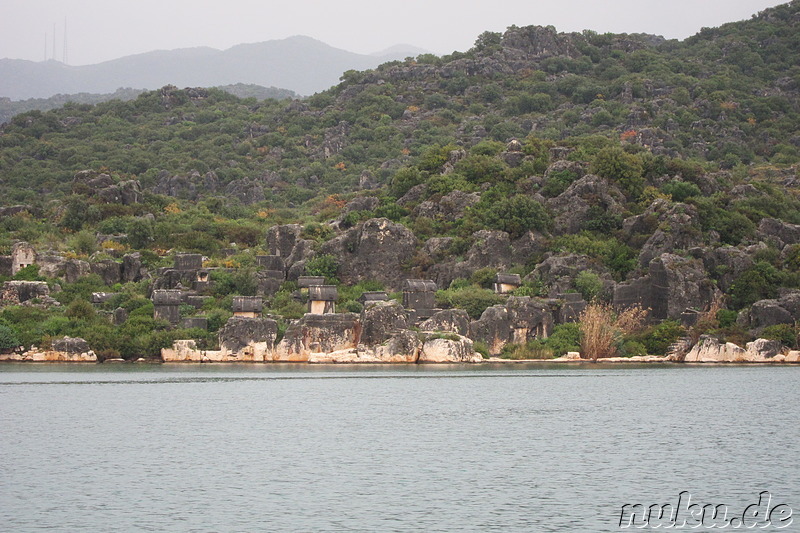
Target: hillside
column 299, row 64
column 620, row 167
column 10, row 108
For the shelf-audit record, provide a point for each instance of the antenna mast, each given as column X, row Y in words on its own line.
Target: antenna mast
column 64, row 51
column 54, row 41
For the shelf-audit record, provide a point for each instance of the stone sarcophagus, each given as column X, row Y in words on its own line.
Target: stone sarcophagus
column 322, row 299
column 166, row 305
column 247, row 306
column 188, row 262
column 506, row 283
column 419, row 296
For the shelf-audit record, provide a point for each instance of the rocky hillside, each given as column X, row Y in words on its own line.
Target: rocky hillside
column 618, row 168
column 9, row 108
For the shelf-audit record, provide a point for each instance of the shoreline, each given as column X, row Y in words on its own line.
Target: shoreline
column 650, row 360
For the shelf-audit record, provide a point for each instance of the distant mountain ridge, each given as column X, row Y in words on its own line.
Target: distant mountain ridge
column 300, row 64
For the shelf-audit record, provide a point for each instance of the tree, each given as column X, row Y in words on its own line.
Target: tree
column 516, row 215
column 626, row 169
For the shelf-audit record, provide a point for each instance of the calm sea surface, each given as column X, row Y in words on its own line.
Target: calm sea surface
column 386, row 448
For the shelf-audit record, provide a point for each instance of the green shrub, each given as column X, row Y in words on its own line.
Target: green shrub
column 615, row 164
column 323, row 265
column 481, row 348
column 589, row 285
column 484, row 277
column 565, row 338
column 8, row 338
column 631, row 348
column 474, row 300
column 534, row 349
column 80, row 310
column 28, row 273
column 759, row 282
column 680, row 190
column 657, row 339
column 786, row 333
column 726, row 317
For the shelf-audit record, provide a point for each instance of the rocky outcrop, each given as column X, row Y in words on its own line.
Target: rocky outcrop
column 132, row 268
column 378, row 249
column 558, row 272
column 110, row 271
column 763, row 313
column 710, row 350
column 247, row 191
column 725, row 264
column 490, row 249
column 521, row 319
column 670, row 227
column 282, row 239
column 381, row 321
column 257, row 334
column 449, row 320
column 438, row 349
column 72, row 345
column 678, row 284
column 572, row 207
column 64, row 350
column 672, row 285
column 318, row 334
column 190, row 187
column 450, row 207
column 779, row 233
column 104, row 188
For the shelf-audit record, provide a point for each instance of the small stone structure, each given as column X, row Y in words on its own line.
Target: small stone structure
column 19, row 292
column 506, row 283
column 419, row 296
column 247, row 306
column 370, row 297
column 22, row 255
column 167, row 304
column 322, row 299
column 188, row 262
column 304, row 282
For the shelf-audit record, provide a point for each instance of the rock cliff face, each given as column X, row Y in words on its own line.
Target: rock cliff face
column 521, row 319
column 379, row 249
column 64, row 350
column 445, row 350
column 709, row 350
column 318, row 333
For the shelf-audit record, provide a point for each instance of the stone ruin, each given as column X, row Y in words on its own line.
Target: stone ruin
column 166, row 305
column 322, row 299
column 506, row 283
column 419, row 298
column 305, row 282
column 27, row 293
column 370, row 297
column 247, row 306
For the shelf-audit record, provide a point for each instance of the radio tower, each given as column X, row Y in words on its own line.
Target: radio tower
column 64, row 51
column 54, row 42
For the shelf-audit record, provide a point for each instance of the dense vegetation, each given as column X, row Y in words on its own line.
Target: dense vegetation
column 707, row 126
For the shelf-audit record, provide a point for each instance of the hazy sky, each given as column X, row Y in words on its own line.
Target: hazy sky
column 98, row 30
